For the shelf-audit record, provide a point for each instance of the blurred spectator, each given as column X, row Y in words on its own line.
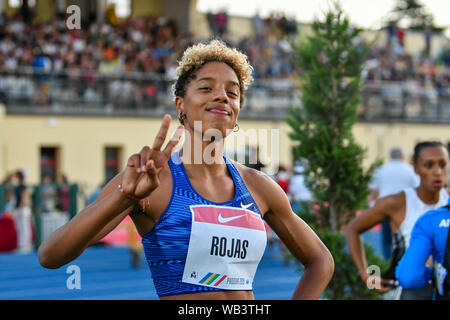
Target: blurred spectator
column 64, row 196
column 26, row 11
column 48, row 194
column 212, row 23
column 8, row 232
column 42, row 65
column 282, row 177
column 222, row 23
column 22, row 215
column 298, row 190
column 10, row 201
column 258, row 26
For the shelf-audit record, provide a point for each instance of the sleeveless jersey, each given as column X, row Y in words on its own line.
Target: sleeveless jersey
column 198, row 245
column 415, row 208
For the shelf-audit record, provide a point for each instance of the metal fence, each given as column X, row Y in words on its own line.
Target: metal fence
column 401, row 101
column 83, row 92
column 52, row 205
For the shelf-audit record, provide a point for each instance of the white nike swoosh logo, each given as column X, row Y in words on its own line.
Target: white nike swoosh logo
column 225, row 220
column 246, row 206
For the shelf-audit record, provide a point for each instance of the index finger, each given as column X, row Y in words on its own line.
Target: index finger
column 162, row 133
column 174, row 141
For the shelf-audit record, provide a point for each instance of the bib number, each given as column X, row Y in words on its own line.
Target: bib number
column 225, row 247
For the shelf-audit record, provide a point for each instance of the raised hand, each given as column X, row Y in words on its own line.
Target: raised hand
column 141, row 175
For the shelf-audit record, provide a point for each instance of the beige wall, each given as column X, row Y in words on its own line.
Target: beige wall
column 198, row 24
column 145, row 7
column 45, row 11
column 81, row 141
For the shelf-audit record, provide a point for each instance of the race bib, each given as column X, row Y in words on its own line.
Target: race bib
column 225, row 247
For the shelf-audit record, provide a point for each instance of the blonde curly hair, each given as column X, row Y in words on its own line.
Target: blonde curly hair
column 198, row 55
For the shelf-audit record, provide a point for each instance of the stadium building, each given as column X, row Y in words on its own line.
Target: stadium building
column 79, row 102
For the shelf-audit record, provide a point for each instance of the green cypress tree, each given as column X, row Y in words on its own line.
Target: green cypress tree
column 331, row 61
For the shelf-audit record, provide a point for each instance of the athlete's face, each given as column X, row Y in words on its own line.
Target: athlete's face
column 431, row 166
column 213, row 98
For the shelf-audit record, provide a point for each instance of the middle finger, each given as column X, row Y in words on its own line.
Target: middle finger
column 144, row 156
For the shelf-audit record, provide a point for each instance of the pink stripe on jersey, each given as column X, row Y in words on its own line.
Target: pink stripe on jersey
column 229, row 216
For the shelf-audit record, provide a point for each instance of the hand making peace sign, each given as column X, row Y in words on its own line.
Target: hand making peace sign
column 141, row 175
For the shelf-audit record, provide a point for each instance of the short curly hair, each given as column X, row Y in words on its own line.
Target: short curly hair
column 199, row 54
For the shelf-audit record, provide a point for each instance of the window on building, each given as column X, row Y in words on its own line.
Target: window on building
column 49, row 162
column 112, row 162
column 123, row 7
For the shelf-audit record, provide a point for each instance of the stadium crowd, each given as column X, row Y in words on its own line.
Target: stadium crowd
column 153, row 45
column 148, row 48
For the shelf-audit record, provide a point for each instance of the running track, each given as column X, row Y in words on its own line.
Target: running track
column 107, row 274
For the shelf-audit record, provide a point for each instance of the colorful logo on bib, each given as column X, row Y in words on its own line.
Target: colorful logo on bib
column 228, row 216
column 212, row 279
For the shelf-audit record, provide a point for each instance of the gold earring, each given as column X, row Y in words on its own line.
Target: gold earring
column 181, row 117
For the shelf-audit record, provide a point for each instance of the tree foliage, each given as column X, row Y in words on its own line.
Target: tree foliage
column 415, row 13
column 331, row 61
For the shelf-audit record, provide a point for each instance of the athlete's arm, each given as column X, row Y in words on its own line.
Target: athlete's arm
column 298, row 237
column 381, row 211
column 411, row 271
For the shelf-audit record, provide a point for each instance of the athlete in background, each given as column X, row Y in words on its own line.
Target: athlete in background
column 430, row 236
column 402, row 210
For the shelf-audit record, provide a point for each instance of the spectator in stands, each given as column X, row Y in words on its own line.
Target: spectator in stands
column 42, row 65
column 26, row 12
column 222, row 23
column 153, row 44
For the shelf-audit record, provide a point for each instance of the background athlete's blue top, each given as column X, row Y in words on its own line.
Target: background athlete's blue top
column 166, row 245
column 429, row 237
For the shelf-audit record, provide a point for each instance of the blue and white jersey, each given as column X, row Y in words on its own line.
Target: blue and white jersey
column 200, row 246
